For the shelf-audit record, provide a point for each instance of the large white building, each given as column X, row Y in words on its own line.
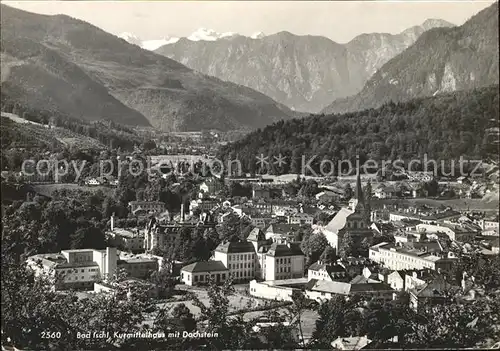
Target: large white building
column 81, row 268
column 412, row 255
column 76, row 268
column 239, row 258
column 200, row 273
column 255, row 258
column 456, row 232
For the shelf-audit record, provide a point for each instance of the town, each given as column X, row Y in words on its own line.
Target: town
column 270, row 239
column 304, row 175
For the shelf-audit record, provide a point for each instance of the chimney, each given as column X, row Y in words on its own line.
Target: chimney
column 182, row 212
column 113, row 221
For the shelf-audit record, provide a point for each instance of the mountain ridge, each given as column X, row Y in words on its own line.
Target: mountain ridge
column 302, row 72
column 171, row 96
column 442, row 127
column 440, row 60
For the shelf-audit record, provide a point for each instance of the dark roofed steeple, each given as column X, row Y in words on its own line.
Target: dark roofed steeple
column 360, row 200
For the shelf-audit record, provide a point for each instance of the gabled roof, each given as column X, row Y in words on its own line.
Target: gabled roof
column 351, row 343
column 329, row 268
column 329, row 286
column 291, row 249
column 236, row 247
column 205, row 266
column 256, row 235
column 339, row 221
column 280, row 228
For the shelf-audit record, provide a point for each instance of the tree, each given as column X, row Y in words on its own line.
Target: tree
column 432, row 187
column 348, row 192
column 232, row 332
column 328, row 256
column 347, row 246
column 295, row 311
column 164, row 280
column 313, row 246
column 337, row 317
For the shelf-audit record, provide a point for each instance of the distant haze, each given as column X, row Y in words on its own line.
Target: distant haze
column 338, row 20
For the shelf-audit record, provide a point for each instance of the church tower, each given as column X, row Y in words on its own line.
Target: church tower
column 360, row 205
column 357, row 204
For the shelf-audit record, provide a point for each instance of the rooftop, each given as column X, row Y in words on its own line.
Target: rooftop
column 341, row 288
column 338, row 222
column 235, row 247
column 351, row 343
column 280, row 228
column 205, row 266
column 330, row 268
column 290, row 249
column 125, row 233
column 256, row 235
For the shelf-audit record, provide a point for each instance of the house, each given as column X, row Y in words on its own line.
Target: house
column 396, row 280
column 456, row 232
column 146, row 207
column 355, row 265
column 162, row 235
column 301, row 219
column 200, row 273
column 125, row 239
column 281, row 231
column 137, row 266
column 351, row 343
column 428, row 217
column 92, row 182
column 432, row 293
column 489, row 224
column 417, row 278
column 322, row 290
column 328, row 196
column 284, row 261
column 385, row 191
column 412, row 255
column 323, row 271
column 75, row 269
column 240, row 259
column 203, row 205
column 405, row 237
column 260, row 222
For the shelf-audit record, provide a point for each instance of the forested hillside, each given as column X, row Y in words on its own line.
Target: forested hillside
column 441, row 60
column 443, row 127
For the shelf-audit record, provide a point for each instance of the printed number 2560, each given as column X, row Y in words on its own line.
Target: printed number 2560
column 51, row 335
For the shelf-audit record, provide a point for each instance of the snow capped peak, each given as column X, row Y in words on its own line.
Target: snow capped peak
column 131, row 38
column 157, row 43
column 209, row 35
column 257, row 35
column 201, row 34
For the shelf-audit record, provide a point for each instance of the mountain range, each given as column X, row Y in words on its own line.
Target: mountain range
column 64, row 64
column 441, row 60
column 201, row 34
column 305, row 73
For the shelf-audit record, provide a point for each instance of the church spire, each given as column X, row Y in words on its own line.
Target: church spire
column 359, row 190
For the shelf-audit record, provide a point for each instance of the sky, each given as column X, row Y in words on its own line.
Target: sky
column 338, row 20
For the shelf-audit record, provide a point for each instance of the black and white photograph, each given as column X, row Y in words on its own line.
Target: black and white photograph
column 249, row 175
